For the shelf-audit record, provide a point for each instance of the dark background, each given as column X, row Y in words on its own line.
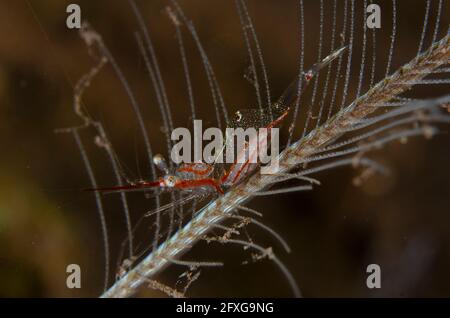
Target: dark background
column 400, row 222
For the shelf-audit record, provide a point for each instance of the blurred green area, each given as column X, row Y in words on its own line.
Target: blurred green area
column 401, row 222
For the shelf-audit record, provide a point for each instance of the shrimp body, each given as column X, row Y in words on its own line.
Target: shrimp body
column 199, row 176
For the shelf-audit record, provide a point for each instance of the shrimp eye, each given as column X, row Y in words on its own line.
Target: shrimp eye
column 238, row 116
column 170, row 181
column 160, row 163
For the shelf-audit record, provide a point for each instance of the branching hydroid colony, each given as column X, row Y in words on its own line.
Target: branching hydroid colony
column 335, row 132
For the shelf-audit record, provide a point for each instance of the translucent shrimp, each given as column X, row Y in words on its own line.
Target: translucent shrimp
column 200, row 177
